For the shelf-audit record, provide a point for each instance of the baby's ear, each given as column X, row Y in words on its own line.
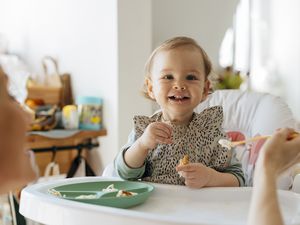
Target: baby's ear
column 150, row 88
column 206, row 89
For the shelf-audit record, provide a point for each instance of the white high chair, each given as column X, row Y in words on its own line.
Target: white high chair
column 252, row 114
column 248, row 112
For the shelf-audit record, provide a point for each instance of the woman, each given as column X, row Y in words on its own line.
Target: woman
column 15, row 166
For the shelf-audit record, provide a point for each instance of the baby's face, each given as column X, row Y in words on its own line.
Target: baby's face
column 178, row 81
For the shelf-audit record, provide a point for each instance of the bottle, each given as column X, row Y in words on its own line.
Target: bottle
column 90, row 112
column 70, row 117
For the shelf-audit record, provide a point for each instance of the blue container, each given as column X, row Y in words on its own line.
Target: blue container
column 90, row 112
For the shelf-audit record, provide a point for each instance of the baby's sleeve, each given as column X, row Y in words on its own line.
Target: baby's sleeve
column 235, row 168
column 123, row 170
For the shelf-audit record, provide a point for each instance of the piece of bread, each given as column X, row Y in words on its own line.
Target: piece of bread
column 184, row 161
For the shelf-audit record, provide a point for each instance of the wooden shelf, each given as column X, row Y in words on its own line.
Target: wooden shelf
column 40, row 141
column 63, row 158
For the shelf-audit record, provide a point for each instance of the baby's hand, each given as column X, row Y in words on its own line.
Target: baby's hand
column 156, row 133
column 196, row 174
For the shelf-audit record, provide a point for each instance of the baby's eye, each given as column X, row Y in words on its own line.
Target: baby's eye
column 168, row 77
column 191, row 77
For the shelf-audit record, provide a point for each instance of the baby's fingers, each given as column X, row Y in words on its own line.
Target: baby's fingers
column 186, row 168
column 162, row 133
column 162, row 140
column 188, row 175
column 164, row 127
column 192, row 183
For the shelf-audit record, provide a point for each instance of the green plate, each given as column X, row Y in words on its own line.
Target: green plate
column 99, row 197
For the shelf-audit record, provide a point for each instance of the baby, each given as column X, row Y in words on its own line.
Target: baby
column 177, row 79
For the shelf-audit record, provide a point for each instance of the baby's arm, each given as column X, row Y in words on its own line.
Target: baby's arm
column 224, row 179
column 198, row 175
column 235, row 169
column 130, row 161
column 155, row 133
column 231, row 176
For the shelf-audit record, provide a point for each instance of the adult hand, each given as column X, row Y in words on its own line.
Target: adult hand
column 279, row 153
column 15, row 167
column 196, row 175
column 156, row 133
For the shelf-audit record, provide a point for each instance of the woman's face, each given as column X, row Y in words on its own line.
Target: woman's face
column 178, row 81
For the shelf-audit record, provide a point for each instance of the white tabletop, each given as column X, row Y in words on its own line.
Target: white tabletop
column 168, row 204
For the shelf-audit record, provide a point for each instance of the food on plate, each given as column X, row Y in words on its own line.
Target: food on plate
column 110, row 188
column 123, row 193
column 54, row 192
column 87, row 197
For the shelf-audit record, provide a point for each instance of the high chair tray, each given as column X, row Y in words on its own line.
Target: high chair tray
column 168, row 204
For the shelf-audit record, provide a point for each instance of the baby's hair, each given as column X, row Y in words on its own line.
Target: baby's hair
column 174, row 43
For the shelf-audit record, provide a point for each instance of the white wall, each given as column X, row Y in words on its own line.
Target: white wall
column 285, row 17
column 276, row 50
column 134, row 44
column 103, row 43
column 83, row 36
column 204, row 20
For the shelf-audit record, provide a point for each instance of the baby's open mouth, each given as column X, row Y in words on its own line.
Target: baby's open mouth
column 178, row 98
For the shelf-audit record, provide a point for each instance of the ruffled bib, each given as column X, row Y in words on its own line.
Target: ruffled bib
column 199, row 139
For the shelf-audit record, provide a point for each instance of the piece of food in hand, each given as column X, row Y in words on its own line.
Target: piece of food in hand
column 184, row 161
column 122, row 193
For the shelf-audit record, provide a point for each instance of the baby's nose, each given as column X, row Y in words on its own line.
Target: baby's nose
column 179, row 87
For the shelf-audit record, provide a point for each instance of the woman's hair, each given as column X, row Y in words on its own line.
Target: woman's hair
column 170, row 44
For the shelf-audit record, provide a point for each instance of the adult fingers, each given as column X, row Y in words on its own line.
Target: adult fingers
column 290, row 153
column 3, row 85
column 283, row 133
column 290, row 164
column 288, row 133
column 293, row 148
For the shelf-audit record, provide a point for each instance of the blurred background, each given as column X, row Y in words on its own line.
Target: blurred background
column 104, row 44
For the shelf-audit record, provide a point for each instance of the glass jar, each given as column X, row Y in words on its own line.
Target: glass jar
column 90, row 112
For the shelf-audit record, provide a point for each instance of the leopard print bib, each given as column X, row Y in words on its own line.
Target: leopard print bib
column 199, row 139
